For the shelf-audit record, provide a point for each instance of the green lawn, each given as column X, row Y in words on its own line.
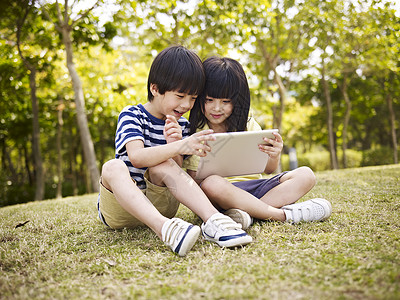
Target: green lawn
column 63, row 252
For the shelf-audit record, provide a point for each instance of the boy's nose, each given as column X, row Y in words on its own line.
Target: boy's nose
column 186, row 103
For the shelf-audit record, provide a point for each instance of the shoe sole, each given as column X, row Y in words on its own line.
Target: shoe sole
column 240, row 240
column 189, row 240
column 239, row 218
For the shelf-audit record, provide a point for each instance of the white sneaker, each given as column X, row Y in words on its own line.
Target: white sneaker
column 179, row 235
column 224, row 231
column 239, row 216
column 311, row 210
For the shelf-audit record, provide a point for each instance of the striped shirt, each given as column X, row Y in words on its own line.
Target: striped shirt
column 136, row 123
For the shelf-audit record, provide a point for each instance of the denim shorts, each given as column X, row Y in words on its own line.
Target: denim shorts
column 259, row 187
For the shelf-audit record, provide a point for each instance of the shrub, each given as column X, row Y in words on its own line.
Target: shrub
column 15, row 194
column 377, row 156
column 353, row 158
column 320, row 160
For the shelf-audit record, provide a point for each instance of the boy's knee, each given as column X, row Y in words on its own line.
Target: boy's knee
column 113, row 167
column 167, row 169
column 164, row 167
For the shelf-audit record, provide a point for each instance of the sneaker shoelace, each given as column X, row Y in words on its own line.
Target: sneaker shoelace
column 310, row 212
column 173, row 231
column 226, row 223
column 304, row 213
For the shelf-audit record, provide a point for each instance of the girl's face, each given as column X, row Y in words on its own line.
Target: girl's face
column 217, row 111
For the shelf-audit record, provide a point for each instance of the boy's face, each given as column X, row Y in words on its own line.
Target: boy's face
column 172, row 103
column 217, row 110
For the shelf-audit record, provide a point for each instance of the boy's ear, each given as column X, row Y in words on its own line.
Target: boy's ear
column 153, row 89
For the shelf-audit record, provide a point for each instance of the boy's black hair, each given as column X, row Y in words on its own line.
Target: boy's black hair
column 225, row 79
column 176, row 69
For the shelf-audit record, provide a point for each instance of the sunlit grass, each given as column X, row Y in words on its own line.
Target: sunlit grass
column 63, row 252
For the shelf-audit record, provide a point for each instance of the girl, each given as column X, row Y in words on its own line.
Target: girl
column 224, row 107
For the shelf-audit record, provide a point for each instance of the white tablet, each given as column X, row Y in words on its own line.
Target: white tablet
column 234, row 154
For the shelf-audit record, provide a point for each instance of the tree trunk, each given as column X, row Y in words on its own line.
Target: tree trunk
column 346, row 120
column 60, row 123
column 389, row 101
column 7, row 158
column 37, row 155
column 72, row 161
column 331, row 140
column 28, row 160
column 282, row 98
column 86, row 139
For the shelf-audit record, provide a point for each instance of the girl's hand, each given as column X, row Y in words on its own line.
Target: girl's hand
column 172, row 130
column 274, row 146
column 197, row 143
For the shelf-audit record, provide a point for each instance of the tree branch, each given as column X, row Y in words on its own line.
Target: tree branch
column 48, row 18
column 20, row 22
column 84, row 14
column 66, row 15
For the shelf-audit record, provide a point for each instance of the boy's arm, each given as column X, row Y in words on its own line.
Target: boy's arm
column 173, row 133
column 142, row 157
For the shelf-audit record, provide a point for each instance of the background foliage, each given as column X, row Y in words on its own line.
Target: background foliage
column 288, row 48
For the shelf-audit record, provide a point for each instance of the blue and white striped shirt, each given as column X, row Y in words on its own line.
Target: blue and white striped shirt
column 136, row 123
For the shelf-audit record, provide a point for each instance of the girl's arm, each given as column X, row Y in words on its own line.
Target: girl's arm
column 273, row 149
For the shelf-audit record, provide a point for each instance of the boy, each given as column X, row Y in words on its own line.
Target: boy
column 145, row 184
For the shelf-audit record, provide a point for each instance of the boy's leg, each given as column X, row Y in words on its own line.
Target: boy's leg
column 216, row 227
column 227, row 196
column 116, row 178
column 179, row 235
column 183, row 187
column 294, row 185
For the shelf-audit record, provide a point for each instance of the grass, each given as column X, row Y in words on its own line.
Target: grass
column 63, row 252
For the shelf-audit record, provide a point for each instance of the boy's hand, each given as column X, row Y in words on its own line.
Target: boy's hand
column 197, row 143
column 172, row 130
column 273, row 147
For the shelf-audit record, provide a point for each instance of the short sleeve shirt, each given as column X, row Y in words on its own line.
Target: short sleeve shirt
column 136, row 123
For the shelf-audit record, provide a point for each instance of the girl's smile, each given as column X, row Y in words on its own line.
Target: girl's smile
column 216, row 116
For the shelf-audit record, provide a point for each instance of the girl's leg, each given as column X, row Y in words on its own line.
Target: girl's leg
column 183, row 187
column 116, row 178
column 294, row 185
column 225, row 195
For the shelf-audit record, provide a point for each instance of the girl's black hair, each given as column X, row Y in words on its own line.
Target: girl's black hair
column 176, row 69
column 225, row 79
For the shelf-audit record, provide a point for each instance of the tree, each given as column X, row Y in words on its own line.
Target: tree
column 65, row 25
column 21, row 16
column 384, row 42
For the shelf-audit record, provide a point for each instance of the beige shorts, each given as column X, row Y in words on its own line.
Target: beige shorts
column 116, row 217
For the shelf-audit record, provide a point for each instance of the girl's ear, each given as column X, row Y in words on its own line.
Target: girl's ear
column 153, row 89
